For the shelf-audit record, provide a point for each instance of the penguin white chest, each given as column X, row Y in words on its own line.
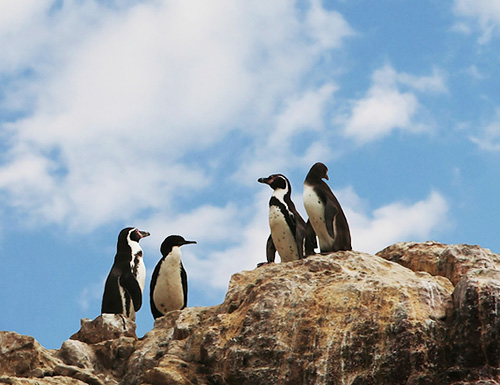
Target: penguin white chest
column 168, row 292
column 316, row 212
column 283, row 238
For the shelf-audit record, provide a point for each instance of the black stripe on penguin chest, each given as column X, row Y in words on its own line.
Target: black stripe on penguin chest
column 135, row 263
column 286, row 214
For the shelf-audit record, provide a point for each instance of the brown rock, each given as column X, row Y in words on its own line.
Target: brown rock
column 450, row 261
column 23, row 355
column 56, row 380
column 104, row 328
column 474, row 338
column 347, row 318
column 472, row 341
column 77, row 353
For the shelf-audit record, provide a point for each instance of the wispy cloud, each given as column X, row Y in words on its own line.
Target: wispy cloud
column 489, row 136
column 91, row 296
column 121, row 99
column 395, row 222
column 483, row 13
column 241, row 240
column 387, row 106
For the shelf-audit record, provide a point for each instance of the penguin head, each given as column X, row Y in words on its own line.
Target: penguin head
column 318, row 171
column 130, row 234
column 276, row 181
column 171, row 241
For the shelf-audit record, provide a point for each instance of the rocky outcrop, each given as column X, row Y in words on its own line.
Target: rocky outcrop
column 415, row 313
column 96, row 355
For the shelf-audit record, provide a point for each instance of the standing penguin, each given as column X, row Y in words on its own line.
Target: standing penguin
column 288, row 229
column 125, row 282
column 169, row 288
column 325, row 214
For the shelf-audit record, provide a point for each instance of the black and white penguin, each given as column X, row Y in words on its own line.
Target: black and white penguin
column 288, row 229
column 325, row 214
column 125, row 282
column 169, row 287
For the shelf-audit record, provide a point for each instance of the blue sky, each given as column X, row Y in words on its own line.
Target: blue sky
column 163, row 114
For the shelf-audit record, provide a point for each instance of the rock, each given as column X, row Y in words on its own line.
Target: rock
column 23, row 356
column 474, row 338
column 104, row 328
column 450, row 261
column 102, row 345
column 56, row 380
column 414, row 314
column 351, row 316
column 77, row 353
column 96, row 355
column 472, row 341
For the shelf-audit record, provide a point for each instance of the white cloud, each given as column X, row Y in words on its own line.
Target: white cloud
column 489, row 137
column 485, row 13
column 241, row 243
column 385, row 107
column 229, row 239
column 90, row 295
column 233, row 238
column 327, row 28
column 301, row 114
column 434, row 83
column 302, row 119
column 121, row 99
column 394, row 222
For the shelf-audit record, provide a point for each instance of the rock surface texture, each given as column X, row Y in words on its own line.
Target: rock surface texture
column 415, row 314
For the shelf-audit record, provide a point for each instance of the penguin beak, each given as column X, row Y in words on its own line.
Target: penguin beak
column 189, row 242
column 144, row 233
column 267, row 180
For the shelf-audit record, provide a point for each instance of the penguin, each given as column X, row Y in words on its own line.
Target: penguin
column 168, row 290
column 325, row 214
column 125, row 282
column 288, row 229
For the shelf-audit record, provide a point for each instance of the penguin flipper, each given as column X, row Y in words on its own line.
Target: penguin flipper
column 270, row 250
column 129, row 283
column 310, row 242
column 184, row 285
column 330, row 212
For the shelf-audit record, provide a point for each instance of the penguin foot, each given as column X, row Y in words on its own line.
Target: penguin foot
column 262, row 264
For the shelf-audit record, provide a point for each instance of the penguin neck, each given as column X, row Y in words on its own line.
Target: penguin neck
column 282, row 194
column 137, row 264
column 284, row 197
column 136, row 249
column 174, row 257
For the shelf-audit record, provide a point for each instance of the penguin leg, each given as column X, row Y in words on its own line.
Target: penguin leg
column 310, row 241
column 270, row 252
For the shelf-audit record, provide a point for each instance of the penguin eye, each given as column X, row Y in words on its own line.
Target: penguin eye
column 134, row 235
